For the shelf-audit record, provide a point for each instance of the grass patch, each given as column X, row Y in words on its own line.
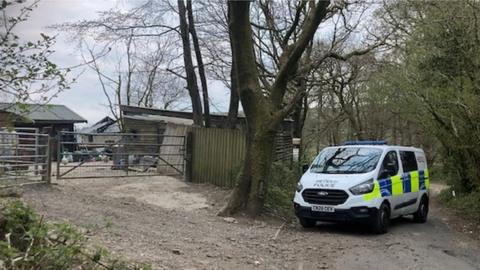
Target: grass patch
column 29, row 242
column 466, row 204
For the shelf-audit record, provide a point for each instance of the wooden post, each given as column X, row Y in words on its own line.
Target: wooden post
column 47, row 176
column 189, row 156
column 59, row 150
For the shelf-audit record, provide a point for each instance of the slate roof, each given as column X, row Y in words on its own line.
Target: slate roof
column 43, row 113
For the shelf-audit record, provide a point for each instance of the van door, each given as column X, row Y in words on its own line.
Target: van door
column 410, row 180
column 389, row 180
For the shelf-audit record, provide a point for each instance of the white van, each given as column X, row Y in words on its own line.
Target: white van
column 366, row 181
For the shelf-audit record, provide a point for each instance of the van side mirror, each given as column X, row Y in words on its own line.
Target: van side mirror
column 305, row 168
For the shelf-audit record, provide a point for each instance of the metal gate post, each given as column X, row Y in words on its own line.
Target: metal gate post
column 189, row 156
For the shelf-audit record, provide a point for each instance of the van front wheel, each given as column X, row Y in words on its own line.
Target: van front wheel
column 306, row 222
column 381, row 220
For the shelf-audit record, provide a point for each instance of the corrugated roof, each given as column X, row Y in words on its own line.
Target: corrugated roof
column 105, row 125
column 161, row 118
column 44, row 112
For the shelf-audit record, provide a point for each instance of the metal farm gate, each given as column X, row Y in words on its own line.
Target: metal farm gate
column 24, row 157
column 94, row 155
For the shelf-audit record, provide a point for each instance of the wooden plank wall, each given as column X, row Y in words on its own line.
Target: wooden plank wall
column 283, row 147
column 173, row 150
column 137, row 126
column 217, row 155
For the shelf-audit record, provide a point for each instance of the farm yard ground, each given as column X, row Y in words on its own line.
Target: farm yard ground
column 173, row 225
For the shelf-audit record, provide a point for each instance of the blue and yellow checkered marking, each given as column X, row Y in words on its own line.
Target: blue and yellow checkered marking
column 400, row 184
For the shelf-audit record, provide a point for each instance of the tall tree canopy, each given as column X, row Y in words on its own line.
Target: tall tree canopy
column 436, row 78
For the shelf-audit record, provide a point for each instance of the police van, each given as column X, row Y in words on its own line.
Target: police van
column 367, row 181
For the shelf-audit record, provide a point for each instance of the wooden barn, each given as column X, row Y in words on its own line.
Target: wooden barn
column 44, row 118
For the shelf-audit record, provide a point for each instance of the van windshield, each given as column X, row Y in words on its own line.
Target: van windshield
column 346, row 160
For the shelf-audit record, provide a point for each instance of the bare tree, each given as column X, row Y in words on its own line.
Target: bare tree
column 190, row 77
column 276, row 70
column 263, row 113
column 132, row 52
column 213, row 19
column 201, row 68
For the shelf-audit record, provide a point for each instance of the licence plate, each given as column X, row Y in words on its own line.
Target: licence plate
column 323, row 208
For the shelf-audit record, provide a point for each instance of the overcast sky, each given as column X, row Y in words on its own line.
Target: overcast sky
column 85, row 96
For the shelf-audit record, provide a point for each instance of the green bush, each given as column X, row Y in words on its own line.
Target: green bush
column 468, row 204
column 28, row 242
column 281, row 188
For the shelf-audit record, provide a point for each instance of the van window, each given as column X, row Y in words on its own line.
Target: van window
column 409, row 162
column 389, row 165
column 346, row 160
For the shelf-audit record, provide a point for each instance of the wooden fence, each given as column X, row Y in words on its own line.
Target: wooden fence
column 216, row 155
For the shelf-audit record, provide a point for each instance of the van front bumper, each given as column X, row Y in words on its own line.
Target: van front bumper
column 361, row 213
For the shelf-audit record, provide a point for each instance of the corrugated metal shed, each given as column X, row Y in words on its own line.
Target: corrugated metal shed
column 43, row 113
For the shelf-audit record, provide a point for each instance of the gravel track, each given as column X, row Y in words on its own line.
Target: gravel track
column 173, row 225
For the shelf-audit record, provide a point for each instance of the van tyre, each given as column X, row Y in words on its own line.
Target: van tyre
column 381, row 220
column 422, row 212
column 306, row 222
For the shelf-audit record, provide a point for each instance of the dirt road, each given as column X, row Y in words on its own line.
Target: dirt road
column 173, row 225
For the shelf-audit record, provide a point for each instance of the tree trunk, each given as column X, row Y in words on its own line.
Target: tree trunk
column 231, row 121
column 297, row 118
column 263, row 114
column 300, row 111
column 249, row 194
column 302, row 124
column 189, row 68
column 119, row 102
column 130, row 71
column 232, row 117
column 201, row 68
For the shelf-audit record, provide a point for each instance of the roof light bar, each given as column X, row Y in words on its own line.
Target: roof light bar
column 383, row 142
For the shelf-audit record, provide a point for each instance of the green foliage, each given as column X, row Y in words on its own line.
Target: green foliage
column 468, row 204
column 28, row 242
column 26, row 69
column 281, row 188
column 435, row 80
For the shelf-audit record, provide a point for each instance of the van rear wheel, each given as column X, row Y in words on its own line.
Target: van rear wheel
column 381, row 220
column 421, row 215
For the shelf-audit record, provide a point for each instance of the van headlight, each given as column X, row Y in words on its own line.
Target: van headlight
column 362, row 188
column 299, row 186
